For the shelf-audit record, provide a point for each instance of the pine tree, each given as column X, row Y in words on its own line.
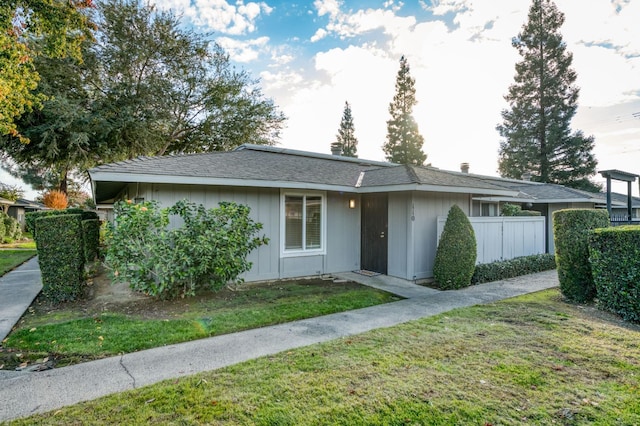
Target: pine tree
column 537, row 137
column 404, row 141
column 346, row 141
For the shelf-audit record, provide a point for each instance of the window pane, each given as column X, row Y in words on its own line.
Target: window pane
column 313, row 227
column 293, row 223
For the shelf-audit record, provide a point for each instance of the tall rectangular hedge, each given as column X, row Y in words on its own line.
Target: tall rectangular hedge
column 31, row 217
column 570, row 233
column 60, row 248
column 614, row 254
column 91, row 238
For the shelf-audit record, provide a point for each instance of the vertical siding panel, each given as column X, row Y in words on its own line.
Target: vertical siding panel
column 343, row 233
column 397, row 235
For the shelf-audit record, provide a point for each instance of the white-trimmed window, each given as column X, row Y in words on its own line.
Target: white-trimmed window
column 489, row 209
column 303, row 223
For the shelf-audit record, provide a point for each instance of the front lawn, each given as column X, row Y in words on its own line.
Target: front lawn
column 10, row 259
column 86, row 330
column 527, row 360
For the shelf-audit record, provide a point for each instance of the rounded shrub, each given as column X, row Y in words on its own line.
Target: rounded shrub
column 457, row 252
column 571, row 229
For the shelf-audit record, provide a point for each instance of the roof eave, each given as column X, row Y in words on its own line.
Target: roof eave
column 436, row 188
column 97, row 177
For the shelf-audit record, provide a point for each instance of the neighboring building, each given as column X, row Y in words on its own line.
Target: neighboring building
column 5, row 204
column 323, row 213
column 23, row 206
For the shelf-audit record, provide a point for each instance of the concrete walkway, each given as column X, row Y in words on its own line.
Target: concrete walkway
column 24, row 393
column 18, row 288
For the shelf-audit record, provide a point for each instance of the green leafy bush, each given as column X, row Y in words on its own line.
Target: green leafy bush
column 10, row 228
column 60, row 255
column 503, row 269
column 457, row 252
column 510, row 209
column 91, row 238
column 571, row 229
column 515, row 210
column 2, row 229
column 615, row 264
column 208, row 251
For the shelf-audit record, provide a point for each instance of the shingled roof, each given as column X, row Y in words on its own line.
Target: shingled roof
column 264, row 166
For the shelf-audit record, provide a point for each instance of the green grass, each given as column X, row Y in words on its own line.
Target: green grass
column 72, row 334
column 10, row 259
column 527, row 360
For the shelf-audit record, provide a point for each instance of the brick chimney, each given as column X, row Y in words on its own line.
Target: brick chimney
column 336, row 149
column 464, row 167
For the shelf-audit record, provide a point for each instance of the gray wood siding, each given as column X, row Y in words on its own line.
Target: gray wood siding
column 343, row 233
column 301, row 266
column 264, row 204
column 427, row 207
column 400, row 230
column 413, row 230
column 343, row 227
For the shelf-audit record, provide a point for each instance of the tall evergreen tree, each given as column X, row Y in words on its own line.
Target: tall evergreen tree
column 404, row 141
column 537, row 137
column 346, row 141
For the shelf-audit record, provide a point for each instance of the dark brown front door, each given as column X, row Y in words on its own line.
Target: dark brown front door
column 374, row 233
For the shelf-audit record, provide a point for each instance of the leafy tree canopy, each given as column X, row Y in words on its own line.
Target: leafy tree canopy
column 145, row 87
column 10, row 192
column 29, row 29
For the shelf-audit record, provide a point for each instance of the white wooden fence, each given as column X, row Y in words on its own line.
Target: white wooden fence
column 505, row 237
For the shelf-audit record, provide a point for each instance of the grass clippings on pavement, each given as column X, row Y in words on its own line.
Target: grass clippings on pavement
column 528, row 360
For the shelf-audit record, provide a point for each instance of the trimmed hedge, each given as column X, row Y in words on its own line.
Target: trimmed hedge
column 456, row 253
column 515, row 210
column 503, row 269
column 60, row 255
column 31, row 217
column 91, row 239
column 2, row 228
column 9, row 228
column 571, row 229
column 615, row 264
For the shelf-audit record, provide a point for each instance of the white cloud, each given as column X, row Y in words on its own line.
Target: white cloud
column 219, row 15
column 319, row 35
column 243, row 50
column 442, row 7
column 462, row 72
column 347, row 25
column 327, row 7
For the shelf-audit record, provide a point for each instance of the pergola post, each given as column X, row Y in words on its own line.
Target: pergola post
column 625, row 177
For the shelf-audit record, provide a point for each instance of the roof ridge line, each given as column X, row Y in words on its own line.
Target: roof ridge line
column 412, row 173
column 309, row 154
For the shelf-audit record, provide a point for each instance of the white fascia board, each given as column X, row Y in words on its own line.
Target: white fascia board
column 98, row 177
column 509, row 199
column 548, row 200
column 437, row 188
column 565, row 200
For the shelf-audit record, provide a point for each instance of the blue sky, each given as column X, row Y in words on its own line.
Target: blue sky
column 313, row 56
